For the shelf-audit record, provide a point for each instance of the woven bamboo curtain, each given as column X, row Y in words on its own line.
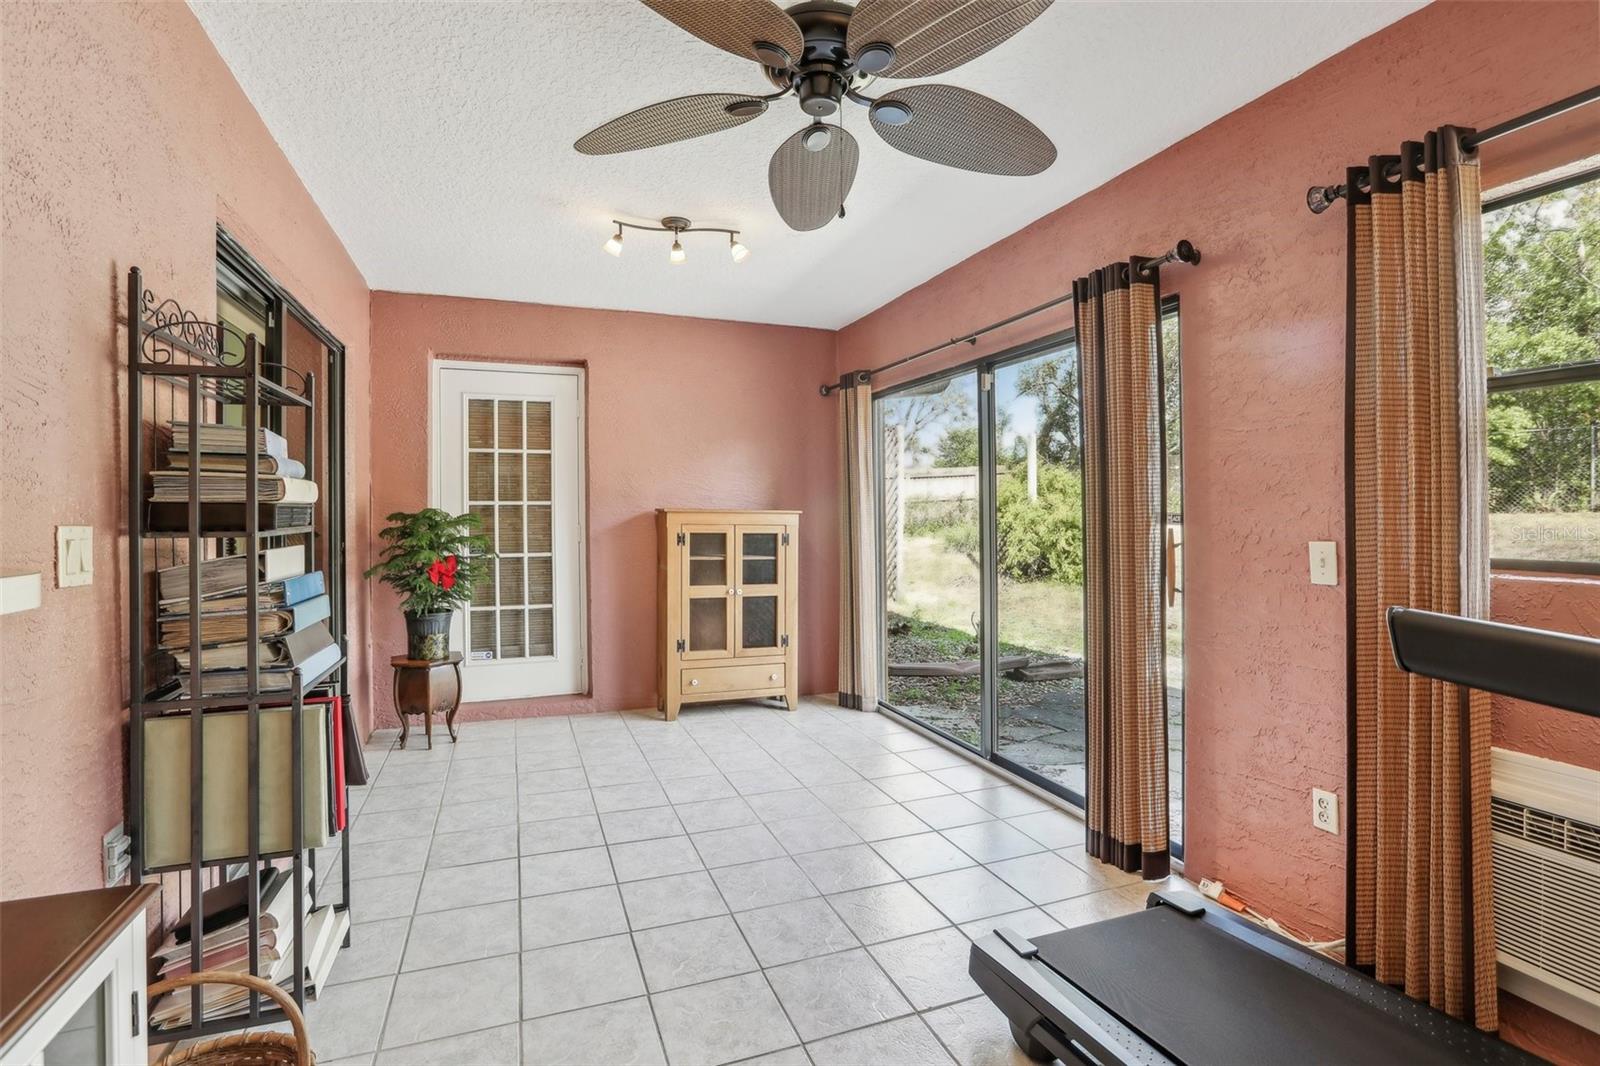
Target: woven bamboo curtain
column 1422, row 885
column 859, row 665
column 1119, row 344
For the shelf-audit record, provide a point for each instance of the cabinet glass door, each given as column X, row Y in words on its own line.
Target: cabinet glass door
column 83, row 1040
column 708, row 592
column 758, row 592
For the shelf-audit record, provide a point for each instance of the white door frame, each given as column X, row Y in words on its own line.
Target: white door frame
column 436, row 475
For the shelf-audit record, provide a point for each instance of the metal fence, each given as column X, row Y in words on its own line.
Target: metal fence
column 1554, row 469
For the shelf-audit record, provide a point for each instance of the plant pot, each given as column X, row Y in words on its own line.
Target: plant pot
column 428, row 635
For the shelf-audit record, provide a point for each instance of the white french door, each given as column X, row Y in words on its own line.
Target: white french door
column 508, row 447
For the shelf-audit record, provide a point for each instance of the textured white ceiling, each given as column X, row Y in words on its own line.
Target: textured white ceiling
column 437, row 137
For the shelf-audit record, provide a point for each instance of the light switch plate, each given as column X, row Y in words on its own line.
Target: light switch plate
column 74, row 556
column 1324, row 562
column 1325, row 810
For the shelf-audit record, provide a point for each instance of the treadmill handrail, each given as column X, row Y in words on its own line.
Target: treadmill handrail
column 1556, row 669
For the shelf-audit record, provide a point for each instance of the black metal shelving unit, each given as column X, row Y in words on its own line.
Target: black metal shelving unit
column 178, row 370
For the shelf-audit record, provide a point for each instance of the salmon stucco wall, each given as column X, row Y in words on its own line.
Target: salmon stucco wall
column 125, row 140
column 681, row 412
column 1263, row 326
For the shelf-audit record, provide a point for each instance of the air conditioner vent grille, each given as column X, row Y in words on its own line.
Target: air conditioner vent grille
column 1549, row 830
column 1547, row 892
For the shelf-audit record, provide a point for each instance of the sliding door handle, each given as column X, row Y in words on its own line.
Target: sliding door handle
column 1172, row 567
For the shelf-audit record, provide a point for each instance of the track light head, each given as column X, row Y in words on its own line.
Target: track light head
column 737, row 250
column 677, row 255
column 614, row 244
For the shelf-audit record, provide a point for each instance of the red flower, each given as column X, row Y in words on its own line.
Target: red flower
column 443, row 572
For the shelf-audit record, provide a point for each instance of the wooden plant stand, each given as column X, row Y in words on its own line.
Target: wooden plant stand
column 423, row 686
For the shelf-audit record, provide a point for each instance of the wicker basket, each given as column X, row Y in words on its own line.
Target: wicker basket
column 242, row 1049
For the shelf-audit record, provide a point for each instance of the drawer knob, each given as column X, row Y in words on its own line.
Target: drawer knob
column 693, row 682
column 772, row 677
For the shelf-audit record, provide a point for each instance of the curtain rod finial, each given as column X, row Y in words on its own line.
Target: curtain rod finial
column 1321, row 197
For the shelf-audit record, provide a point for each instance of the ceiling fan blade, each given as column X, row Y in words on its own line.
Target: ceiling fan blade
column 808, row 188
column 963, row 129
column 669, row 121
column 737, row 26
column 932, row 36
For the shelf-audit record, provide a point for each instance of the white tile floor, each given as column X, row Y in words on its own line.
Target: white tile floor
column 745, row 884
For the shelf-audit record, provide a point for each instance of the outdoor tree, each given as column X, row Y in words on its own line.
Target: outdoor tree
column 1542, row 290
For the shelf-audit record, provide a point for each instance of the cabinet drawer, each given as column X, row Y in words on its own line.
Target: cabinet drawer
column 732, row 678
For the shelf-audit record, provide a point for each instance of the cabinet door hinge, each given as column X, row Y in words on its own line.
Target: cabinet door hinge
column 786, row 539
column 680, row 645
column 682, row 540
column 785, row 640
column 136, row 1013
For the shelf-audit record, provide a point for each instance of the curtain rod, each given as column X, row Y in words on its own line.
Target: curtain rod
column 1182, row 252
column 1321, row 197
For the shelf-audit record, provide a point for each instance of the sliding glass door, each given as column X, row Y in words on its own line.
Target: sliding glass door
column 932, row 575
column 983, row 567
column 1038, row 509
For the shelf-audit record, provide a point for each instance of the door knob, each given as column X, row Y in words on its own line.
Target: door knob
column 730, row 592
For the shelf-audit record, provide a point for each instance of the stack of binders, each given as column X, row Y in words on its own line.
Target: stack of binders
column 285, row 498
column 292, row 631
column 226, row 946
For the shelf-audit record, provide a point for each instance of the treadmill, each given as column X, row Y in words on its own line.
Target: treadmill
column 1188, row 981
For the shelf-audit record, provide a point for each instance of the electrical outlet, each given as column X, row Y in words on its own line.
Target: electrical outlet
column 114, row 854
column 1325, row 811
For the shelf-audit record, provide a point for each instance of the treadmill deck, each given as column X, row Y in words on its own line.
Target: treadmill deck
column 1203, row 994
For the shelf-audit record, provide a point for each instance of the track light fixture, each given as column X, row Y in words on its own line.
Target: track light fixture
column 677, row 225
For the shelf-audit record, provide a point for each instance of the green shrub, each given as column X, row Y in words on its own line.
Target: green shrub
column 1041, row 539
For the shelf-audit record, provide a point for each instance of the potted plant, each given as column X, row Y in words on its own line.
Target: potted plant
column 433, row 559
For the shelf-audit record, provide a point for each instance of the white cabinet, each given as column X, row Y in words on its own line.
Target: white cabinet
column 76, row 975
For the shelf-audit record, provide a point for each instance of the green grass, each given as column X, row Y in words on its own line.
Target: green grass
column 1569, row 536
column 1044, row 618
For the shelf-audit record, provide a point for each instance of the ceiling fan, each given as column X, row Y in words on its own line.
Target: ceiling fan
column 824, row 52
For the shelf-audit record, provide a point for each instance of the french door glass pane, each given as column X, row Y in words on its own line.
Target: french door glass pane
column 1038, row 452
column 933, row 600
column 508, row 489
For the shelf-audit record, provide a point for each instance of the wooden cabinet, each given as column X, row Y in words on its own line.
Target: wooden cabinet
column 727, row 606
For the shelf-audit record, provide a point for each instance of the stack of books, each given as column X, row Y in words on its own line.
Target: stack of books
column 284, row 496
column 291, row 628
column 226, row 946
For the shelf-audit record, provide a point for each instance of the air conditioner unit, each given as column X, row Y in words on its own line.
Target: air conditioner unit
column 1546, row 821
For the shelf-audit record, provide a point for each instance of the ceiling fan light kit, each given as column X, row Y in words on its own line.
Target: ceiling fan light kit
column 824, row 52
column 677, row 225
